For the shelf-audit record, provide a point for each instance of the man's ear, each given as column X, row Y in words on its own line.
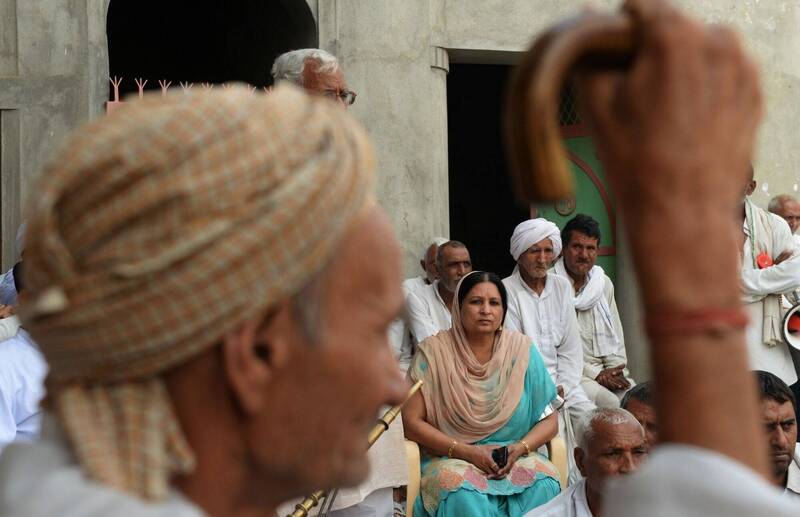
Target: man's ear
column 579, row 457
column 254, row 352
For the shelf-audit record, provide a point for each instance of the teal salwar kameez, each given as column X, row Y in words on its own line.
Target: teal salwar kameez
column 456, row 488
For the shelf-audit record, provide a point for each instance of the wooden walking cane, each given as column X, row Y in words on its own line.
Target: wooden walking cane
column 537, row 157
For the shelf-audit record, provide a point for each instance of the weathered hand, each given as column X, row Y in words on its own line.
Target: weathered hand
column 481, row 457
column 6, row 311
column 515, row 451
column 675, row 133
column 782, row 257
column 613, row 378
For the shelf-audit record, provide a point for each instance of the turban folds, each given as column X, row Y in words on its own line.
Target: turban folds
column 528, row 233
column 159, row 229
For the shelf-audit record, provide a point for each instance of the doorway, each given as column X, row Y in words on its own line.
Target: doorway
column 483, row 209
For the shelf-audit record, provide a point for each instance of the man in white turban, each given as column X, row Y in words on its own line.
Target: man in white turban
column 169, row 394
column 540, row 305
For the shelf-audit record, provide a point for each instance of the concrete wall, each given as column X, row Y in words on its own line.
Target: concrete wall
column 395, row 53
column 53, row 76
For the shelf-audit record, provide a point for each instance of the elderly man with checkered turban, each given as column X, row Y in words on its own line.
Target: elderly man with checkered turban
column 191, row 264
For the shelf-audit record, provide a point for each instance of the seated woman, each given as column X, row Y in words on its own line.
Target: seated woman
column 484, row 388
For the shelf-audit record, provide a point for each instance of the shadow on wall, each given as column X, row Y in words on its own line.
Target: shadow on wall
column 205, row 41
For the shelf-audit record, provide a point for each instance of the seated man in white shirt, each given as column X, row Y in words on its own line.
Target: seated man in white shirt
column 429, row 307
column 400, row 330
column 610, row 443
column 427, row 261
column 605, row 376
column 780, row 420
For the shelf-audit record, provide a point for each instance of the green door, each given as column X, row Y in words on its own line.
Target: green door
column 592, row 196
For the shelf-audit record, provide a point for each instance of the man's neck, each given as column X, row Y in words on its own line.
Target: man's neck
column 578, row 281
column 447, row 296
column 537, row 284
column 595, row 501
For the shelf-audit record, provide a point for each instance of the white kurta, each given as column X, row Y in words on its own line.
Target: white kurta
column 569, row 503
column 427, row 312
column 757, row 283
column 549, row 320
column 42, row 479
column 8, row 290
column 22, row 373
column 400, row 330
column 793, row 478
column 593, row 364
column 412, row 284
column 685, row 481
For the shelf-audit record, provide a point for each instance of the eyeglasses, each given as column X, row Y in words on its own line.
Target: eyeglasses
column 347, row 97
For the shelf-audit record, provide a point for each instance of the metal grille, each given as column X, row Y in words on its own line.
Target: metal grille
column 568, row 110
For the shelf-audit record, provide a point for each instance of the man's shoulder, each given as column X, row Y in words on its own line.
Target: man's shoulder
column 560, row 284
column 40, row 479
column 412, row 284
column 557, row 506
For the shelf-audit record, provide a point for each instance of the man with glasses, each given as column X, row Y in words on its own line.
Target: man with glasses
column 316, row 71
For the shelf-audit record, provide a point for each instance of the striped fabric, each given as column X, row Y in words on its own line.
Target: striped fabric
column 160, row 228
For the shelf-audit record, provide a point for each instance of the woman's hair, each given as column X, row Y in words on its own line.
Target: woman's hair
column 478, row 277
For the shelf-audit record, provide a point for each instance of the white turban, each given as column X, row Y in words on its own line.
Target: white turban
column 528, row 233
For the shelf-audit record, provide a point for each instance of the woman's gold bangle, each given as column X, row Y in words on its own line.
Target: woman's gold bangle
column 450, row 450
column 527, row 448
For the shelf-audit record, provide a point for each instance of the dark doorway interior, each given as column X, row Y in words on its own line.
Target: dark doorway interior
column 213, row 41
column 483, row 211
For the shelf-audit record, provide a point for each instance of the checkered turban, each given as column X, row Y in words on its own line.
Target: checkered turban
column 162, row 227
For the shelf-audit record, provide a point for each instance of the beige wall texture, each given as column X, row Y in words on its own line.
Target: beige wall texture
column 396, row 54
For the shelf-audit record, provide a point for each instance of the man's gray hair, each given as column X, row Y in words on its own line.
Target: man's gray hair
column 585, row 430
column 290, row 65
column 444, row 246
column 776, row 203
column 436, row 241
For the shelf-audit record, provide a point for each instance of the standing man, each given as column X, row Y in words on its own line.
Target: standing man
column 315, row 70
column 540, row 305
column 770, row 268
column 429, row 307
column 605, row 376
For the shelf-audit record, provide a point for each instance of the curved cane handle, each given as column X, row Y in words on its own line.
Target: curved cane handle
column 537, row 157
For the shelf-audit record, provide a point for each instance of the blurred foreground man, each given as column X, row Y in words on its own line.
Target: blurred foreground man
column 168, row 394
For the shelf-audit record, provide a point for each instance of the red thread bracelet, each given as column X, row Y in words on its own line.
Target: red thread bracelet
column 700, row 321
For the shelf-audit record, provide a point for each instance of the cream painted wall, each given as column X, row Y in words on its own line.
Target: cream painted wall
column 388, row 50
